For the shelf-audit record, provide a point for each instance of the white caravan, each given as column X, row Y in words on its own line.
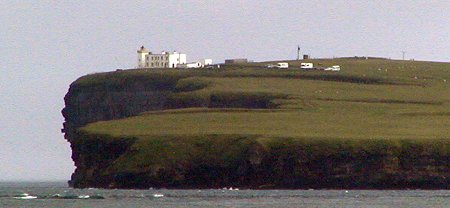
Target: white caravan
column 306, row 65
column 282, row 65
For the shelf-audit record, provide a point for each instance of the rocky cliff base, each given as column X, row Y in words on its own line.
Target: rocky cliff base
column 217, row 161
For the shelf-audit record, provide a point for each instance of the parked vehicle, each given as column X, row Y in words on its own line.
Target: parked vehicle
column 333, row 68
column 282, row 65
column 306, row 66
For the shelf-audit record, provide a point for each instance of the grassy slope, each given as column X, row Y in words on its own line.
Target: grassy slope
column 407, row 100
column 316, row 108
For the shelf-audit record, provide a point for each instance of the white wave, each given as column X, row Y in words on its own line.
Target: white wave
column 158, row 195
column 25, row 196
column 84, row 197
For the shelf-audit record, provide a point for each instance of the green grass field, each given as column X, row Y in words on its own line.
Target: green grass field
column 367, row 99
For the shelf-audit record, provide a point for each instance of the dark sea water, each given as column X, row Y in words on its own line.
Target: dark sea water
column 57, row 194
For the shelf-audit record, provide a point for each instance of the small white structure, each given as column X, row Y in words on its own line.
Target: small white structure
column 306, row 66
column 282, row 65
column 198, row 64
column 165, row 59
column 190, row 65
column 206, row 62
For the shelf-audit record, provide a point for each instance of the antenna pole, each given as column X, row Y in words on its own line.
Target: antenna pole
column 403, row 55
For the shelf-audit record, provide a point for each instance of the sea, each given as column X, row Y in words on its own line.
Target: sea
column 58, row 194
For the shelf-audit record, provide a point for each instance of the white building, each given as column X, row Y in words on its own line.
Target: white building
column 165, row 59
column 206, row 62
column 191, row 65
column 197, row 64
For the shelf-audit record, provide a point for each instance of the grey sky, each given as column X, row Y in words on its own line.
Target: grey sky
column 45, row 45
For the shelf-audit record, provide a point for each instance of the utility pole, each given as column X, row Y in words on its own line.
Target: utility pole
column 403, row 55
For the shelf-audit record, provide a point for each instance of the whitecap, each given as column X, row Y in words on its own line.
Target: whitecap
column 25, row 196
column 158, row 195
column 83, row 197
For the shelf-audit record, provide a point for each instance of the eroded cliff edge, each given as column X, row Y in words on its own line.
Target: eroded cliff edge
column 216, row 161
column 109, row 96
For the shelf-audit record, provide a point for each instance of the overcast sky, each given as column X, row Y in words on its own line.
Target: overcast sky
column 45, row 45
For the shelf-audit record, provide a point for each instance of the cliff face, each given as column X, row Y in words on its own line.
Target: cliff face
column 99, row 102
column 216, row 161
column 86, row 107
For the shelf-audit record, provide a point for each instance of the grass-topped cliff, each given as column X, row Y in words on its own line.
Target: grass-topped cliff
column 375, row 124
